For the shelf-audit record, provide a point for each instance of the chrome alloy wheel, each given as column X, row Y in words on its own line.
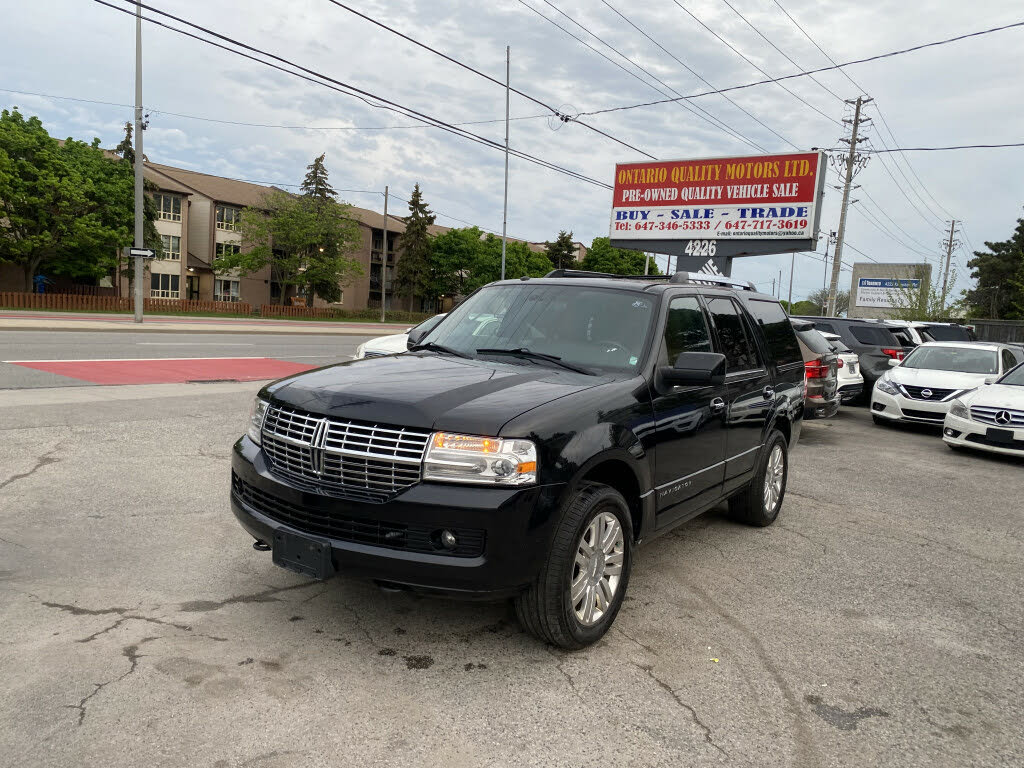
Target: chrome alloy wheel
column 598, row 568
column 774, row 475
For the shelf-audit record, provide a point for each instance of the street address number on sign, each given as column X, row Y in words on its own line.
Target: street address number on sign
column 700, row 248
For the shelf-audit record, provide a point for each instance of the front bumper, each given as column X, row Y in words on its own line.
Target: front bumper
column 900, row 408
column 968, row 433
column 508, row 530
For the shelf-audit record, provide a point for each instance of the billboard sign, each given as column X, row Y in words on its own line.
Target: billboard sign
column 883, row 291
column 736, row 205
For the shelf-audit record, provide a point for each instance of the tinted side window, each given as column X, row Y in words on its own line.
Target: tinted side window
column 778, row 332
column 686, row 329
column 827, row 327
column 739, row 352
column 872, row 334
column 1009, row 361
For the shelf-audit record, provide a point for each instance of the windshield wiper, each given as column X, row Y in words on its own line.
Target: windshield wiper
column 439, row 348
column 524, row 352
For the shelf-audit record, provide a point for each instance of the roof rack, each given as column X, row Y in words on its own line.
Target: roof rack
column 700, row 277
column 585, row 273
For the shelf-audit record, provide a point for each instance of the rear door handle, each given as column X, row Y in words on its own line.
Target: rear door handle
column 717, row 405
column 768, row 393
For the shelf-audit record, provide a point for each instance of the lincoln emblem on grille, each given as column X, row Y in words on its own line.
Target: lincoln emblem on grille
column 316, row 446
column 1003, row 417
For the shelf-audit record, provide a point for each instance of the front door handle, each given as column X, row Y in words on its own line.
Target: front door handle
column 768, row 393
column 717, row 405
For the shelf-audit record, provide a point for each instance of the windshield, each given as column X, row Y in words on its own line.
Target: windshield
column 1014, row 378
column 962, row 359
column 429, row 323
column 600, row 329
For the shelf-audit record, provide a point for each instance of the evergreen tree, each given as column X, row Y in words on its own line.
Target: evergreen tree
column 562, row 252
column 315, row 185
column 126, row 149
column 414, row 272
column 999, row 272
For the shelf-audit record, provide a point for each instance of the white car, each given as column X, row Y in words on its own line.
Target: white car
column 395, row 343
column 922, row 386
column 849, row 380
column 991, row 418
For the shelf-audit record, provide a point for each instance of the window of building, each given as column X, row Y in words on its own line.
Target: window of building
column 168, row 207
column 228, row 217
column 172, row 247
column 740, row 354
column 225, row 249
column 686, row 329
column 225, row 290
column 164, row 286
column 778, row 331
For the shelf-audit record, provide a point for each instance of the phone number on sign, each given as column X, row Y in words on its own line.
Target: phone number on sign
column 683, row 226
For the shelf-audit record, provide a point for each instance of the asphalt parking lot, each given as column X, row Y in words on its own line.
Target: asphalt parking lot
column 877, row 623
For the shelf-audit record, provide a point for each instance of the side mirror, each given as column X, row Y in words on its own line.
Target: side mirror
column 893, row 362
column 695, row 369
column 415, row 336
column 991, row 379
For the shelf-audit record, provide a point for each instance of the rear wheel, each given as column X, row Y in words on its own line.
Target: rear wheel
column 580, row 588
column 759, row 503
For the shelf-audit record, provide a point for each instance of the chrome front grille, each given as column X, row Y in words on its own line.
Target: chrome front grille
column 366, row 462
column 1000, row 417
column 935, row 395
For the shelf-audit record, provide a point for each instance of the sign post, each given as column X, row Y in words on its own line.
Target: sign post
column 708, row 212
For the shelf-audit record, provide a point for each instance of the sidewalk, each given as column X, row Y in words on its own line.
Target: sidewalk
column 40, row 320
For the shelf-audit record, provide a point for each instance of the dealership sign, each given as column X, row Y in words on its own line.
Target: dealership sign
column 883, row 291
column 764, row 197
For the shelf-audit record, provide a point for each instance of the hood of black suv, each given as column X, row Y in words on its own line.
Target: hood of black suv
column 429, row 391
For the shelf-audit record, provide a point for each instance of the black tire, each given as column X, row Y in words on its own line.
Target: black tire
column 545, row 610
column 748, row 506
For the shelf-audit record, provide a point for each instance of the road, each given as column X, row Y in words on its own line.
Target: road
column 877, row 623
column 84, row 345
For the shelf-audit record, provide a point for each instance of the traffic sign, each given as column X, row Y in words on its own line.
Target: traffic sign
column 146, row 253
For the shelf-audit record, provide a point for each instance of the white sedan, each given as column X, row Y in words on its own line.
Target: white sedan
column 395, row 343
column 991, row 418
column 922, row 387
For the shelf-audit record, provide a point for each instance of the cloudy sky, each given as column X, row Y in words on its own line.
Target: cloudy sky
column 216, row 112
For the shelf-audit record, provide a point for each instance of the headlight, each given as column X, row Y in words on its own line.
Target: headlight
column 958, row 409
column 884, row 385
column 484, row 460
column 256, row 414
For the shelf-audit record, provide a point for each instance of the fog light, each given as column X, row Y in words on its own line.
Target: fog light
column 448, row 540
column 877, row 407
column 951, row 432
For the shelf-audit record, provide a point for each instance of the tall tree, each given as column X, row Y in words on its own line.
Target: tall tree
column 820, row 298
column 602, row 257
column 414, row 272
column 562, row 252
column 455, row 255
column 304, row 240
column 315, row 185
column 64, row 208
column 125, row 148
column 924, row 302
column 998, row 292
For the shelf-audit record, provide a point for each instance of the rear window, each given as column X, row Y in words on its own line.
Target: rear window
column 827, row 327
column 873, row 334
column 944, row 333
column 778, row 333
column 903, row 337
column 838, row 346
column 815, row 342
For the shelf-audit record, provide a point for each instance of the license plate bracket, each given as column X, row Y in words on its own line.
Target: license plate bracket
column 303, row 554
column 1000, row 435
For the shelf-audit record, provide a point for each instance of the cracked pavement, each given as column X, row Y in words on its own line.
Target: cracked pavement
column 878, row 623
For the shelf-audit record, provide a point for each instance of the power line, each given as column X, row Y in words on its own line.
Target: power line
column 345, row 88
column 852, row 247
column 699, row 76
column 810, row 72
column 156, row 111
column 707, row 117
column 484, row 75
column 882, row 211
column 945, row 149
column 732, row 48
column 870, row 218
column 903, row 192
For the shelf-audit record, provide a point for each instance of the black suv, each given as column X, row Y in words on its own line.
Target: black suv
column 874, row 344
column 525, row 445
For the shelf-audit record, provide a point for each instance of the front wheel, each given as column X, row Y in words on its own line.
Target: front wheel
column 582, row 583
column 759, row 503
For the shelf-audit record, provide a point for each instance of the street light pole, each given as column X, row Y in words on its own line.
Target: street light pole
column 139, row 210
column 504, row 209
column 384, row 258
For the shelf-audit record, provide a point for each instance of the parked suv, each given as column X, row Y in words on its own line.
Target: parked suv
column 821, row 396
column 873, row 343
column 529, row 461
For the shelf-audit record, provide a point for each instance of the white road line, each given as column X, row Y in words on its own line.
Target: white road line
column 130, row 359
column 190, row 344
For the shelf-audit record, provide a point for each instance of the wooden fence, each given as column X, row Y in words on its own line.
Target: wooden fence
column 72, row 302
column 286, row 310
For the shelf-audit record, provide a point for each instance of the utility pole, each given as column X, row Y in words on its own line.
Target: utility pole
column 384, row 258
column 647, row 262
column 853, row 160
column 773, row 286
column 949, row 257
column 792, row 263
column 504, row 208
column 830, row 240
column 139, row 210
